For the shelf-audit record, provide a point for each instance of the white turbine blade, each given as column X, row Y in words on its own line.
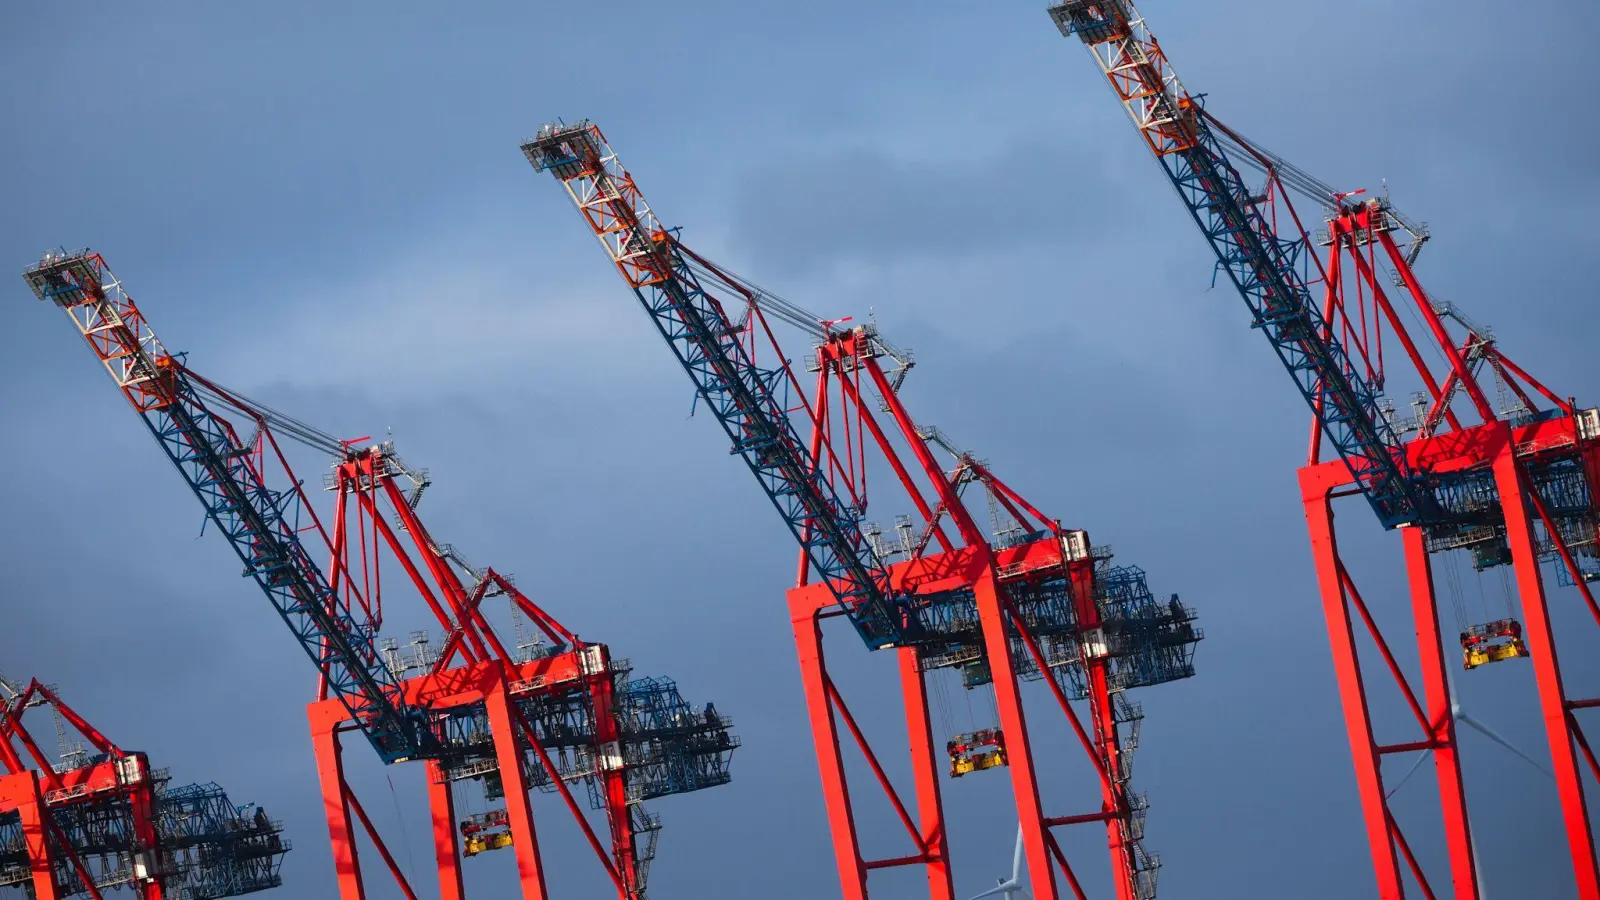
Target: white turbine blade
column 1488, row 732
column 1460, row 716
column 1466, row 718
column 1472, row 840
column 1415, row 764
column 1450, row 688
column 1012, row 885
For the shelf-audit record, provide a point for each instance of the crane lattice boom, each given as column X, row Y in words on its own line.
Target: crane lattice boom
column 1267, row 269
column 741, row 394
column 219, row 468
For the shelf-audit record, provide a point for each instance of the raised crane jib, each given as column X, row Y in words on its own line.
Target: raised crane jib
column 1262, row 266
column 219, row 469
column 740, row 394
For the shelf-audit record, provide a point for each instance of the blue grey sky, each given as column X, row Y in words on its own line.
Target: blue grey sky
column 325, row 205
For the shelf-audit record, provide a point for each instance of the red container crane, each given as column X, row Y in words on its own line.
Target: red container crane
column 1027, row 600
column 549, row 712
column 1463, row 480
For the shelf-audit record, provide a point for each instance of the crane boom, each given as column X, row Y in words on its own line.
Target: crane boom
column 742, row 395
column 1264, row 267
column 218, row 468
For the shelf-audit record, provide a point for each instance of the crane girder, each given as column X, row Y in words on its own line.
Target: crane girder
column 739, row 393
column 1267, row 270
column 218, row 468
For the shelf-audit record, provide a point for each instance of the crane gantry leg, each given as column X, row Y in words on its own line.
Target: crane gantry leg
column 519, row 810
column 1106, row 751
column 446, row 842
column 1440, row 715
column 20, row 793
column 925, row 766
column 325, row 721
column 825, row 707
column 1024, row 784
column 615, row 786
column 830, row 761
column 142, row 801
column 1540, row 636
column 1352, row 690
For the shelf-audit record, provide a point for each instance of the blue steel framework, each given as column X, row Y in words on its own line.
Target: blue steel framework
column 253, row 517
column 1038, row 601
column 1514, row 490
column 1266, row 269
column 744, row 397
column 555, row 712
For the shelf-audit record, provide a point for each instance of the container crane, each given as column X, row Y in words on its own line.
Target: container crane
column 1029, row 601
column 548, row 711
column 96, row 818
column 551, row 712
column 216, row 467
column 1510, row 488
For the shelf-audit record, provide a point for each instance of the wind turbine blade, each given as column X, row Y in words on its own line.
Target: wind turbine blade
column 1472, row 840
column 1466, row 719
column 1415, row 764
column 1013, row 885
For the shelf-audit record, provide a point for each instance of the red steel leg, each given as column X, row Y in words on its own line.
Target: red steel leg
column 325, row 718
column 825, row 732
column 616, row 787
column 446, row 844
column 1105, row 728
column 1441, row 717
column 925, row 767
column 1352, row 693
column 1041, row 873
column 524, row 842
column 142, row 803
column 20, row 792
column 1547, row 672
column 1107, row 750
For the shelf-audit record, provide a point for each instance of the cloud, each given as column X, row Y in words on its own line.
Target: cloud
column 448, row 315
column 983, row 191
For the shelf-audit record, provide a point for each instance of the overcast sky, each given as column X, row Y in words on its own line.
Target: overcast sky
column 326, row 206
